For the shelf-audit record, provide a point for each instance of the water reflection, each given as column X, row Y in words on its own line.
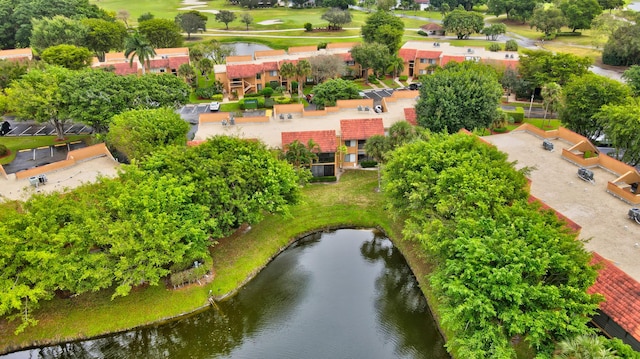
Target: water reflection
column 345, row 294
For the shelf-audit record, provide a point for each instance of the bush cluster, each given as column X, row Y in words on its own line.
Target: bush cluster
column 323, row 179
column 368, row 163
column 3, row 150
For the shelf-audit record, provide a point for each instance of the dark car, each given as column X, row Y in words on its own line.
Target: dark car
column 415, row 86
column 634, row 213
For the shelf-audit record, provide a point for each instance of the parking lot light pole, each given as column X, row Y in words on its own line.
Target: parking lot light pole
column 531, row 104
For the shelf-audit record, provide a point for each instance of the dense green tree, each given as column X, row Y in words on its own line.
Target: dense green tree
column 246, row 19
column 325, row 67
column 69, row 56
column 16, row 17
column 13, row 70
column 548, row 20
column 383, row 27
column 611, row 4
column 225, row 17
column 523, row 9
column 461, row 96
column 104, row 36
column 188, row 74
column 463, row 23
column 303, row 70
column 511, row 45
column 494, row 31
column 621, row 123
column 301, row 155
column 499, row 7
column 205, row 66
column 632, row 77
column 137, row 133
column 336, row 18
column 37, row 96
column 58, row 30
column 385, row 5
column 138, row 47
column 551, row 96
column 192, row 21
column 327, row 93
column 161, row 33
column 580, row 13
column 340, row 4
column 539, row 67
column 503, row 268
column 466, row 4
column 623, row 47
column 395, row 66
column 371, row 56
column 146, row 16
column 582, row 98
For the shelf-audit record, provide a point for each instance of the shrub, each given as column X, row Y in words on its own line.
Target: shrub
column 323, row 179
column 495, row 47
column 308, row 27
column 422, row 33
column 368, row 163
column 511, row 45
column 372, row 79
column 251, row 95
column 517, row 115
column 188, row 276
column 322, row 45
column 569, row 33
column 403, row 77
column 589, row 154
column 3, row 150
column 500, row 130
column 294, row 86
column 267, row 92
column 281, row 100
column 268, row 102
column 217, row 97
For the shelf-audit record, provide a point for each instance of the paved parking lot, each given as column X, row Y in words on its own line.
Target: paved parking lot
column 30, row 128
column 377, row 95
column 26, row 159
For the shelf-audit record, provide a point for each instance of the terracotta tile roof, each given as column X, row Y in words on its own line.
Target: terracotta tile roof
column 325, row 139
column 121, row 68
column 426, row 54
column 176, row 61
column 240, row 58
column 410, row 116
column 346, row 56
column 242, row 71
column 268, row 53
column 270, row 66
column 159, row 64
column 571, row 224
column 449, row 58
column 431, row 27
column 341, row 45
column 621, row 293
column 173, row 51
column 297, row 49
column 16, row 54
column 407, row 54
column 361, row 129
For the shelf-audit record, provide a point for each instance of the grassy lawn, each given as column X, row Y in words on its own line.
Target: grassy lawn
column 389, row 82
column 26, row 142
column 350, row 202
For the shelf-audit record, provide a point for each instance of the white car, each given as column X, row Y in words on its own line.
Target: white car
column 362, row 94
column 214, row 106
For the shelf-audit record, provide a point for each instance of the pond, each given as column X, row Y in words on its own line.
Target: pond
column 342, row 294
column 634, row 5
column 246, row 48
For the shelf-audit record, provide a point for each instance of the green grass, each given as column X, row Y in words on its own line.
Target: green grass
column 26, row 142
column 350, row 202
column 389, row 82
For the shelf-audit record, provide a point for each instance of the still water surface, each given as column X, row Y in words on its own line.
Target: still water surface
column 342, row 294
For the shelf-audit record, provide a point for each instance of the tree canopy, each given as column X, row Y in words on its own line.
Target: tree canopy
column 621, row 123
column 582, row 98
column 461, row 96
column 58, row 30
column 548, row 20
column 539, row 67
column 325, row 67
column 104, row 36
column 463, row 23
column 192, row 21
column 371, row 56
column 384, row 28
column 161, row 33
column 327, row 93
column 623, row 46
column 337, row 18
column 69, row 56
column 580, row 13
column 503, row 267
column 225, row 17
column 632, row 76
column 452, row 4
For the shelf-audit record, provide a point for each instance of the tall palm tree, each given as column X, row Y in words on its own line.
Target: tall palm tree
column 303, row 70
column 551, row 94
column 396, row 65
column 137, row 46
column 287, row 71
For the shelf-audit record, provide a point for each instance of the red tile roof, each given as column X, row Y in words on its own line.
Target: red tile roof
column 242, row 71
column 122, row 68
column 431, row 27
column 270, row 66
column 621, row 293
column 407, row 54
column 449, row 58
column 176, row 61
column 425, row 54
column 410, row 116
column 361, row 129
column 325, row 139
column 346, row 56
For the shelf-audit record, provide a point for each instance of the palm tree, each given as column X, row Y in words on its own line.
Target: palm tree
column 396, row 65
column 188, row 74
column 137, row 46
column 584, row 347
column 551, row 94
column 376, row 147
column 303, row 70
column 287, row 71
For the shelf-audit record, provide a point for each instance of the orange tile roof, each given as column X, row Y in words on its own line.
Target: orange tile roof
column 621, row 293
column 449, row 58
column 346, row 56
column 431, row 27
column 270, row 66
column 242, row 71
column 239, row 58
column 410, row 116
column 170, row 63
column 341, row 45
column 268, row 53
column 325, row 139
column 121, row 68
column 407, row 54
column 361, row 129
column 297, row 49
column 16, row 54
column 426, row 54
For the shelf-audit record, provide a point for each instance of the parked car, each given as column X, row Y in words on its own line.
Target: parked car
column 362, row 94
column 415, row 86
column 634, row 213
column 214, row 106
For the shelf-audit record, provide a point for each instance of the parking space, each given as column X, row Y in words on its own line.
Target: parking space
column 30, row 128
column 377, row 95
column 40, row 156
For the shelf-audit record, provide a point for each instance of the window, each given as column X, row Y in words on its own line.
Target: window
column 423, row 72
column 273, row 73
column 423, row 61
column 326, row 157
column 258, row 76
column 350, row 143
column 350, row 63
column 259, row 87
column 350, row 157
column 432, row 61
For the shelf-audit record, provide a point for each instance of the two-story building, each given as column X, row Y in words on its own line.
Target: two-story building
column 354, row 134
column 165, row 61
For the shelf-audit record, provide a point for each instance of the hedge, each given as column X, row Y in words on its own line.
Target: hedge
column 517, row 115
column 323, row 179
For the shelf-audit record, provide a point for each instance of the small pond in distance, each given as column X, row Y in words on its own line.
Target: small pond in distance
column 246, row 48
column 342, row 294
